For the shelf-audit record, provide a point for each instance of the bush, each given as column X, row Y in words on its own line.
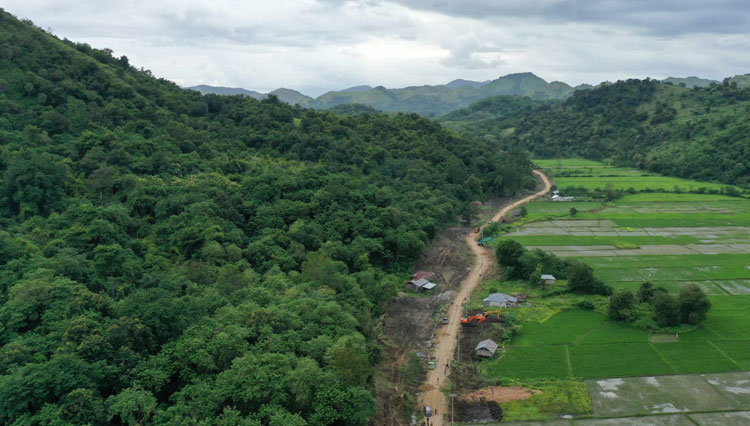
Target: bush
column 586, row 304
column 666, row 309
column 622, row 306
column 694, row 304
column 645, row 292
column 581, row 280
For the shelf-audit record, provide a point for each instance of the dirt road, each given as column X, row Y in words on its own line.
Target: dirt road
column 448, row 335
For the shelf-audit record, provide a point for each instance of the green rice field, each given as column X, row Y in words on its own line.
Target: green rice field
column 586, row 345
column 591, row 174
column 669, row 239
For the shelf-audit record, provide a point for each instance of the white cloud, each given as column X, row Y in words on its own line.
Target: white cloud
column 312, row 45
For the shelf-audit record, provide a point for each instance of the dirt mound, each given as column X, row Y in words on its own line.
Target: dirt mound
column 498, row 394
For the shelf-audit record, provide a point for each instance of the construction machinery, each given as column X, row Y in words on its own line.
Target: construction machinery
column 474, row 319
column 486, row 241
column 482, row 317
column 494, row 314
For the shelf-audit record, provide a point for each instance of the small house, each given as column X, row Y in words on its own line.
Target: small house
column 520, row 297
column 548, row 279
column 558, row 198
column 486, row 348
column 420, row 285
column 422, row 274
column 501, row 300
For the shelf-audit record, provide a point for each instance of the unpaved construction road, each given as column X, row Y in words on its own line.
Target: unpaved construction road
column 447, row 337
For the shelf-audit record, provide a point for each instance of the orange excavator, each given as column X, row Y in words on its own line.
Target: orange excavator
column 479, row 318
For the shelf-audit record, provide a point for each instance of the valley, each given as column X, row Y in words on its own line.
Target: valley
column 371, row 256
column 587, row 367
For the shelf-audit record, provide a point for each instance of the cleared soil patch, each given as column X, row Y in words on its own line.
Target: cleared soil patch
column 448, row 257
column 663, row 338
column 499, row 394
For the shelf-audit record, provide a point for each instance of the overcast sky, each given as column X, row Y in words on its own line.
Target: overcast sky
column 316, row 45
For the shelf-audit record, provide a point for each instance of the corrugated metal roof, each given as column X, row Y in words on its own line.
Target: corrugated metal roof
column 548, row 277
column 500, row 297
column 488, row 344
column 420, row 282
column 429, row 286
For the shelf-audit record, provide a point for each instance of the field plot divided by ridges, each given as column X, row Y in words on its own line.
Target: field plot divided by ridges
column 662, row 394
column 562, row 328
column 529, row 362
column 737, row 350
column 612, row 332
column 620, row 359
column 734, row 387
column 695, row 357
column 737, row 418
column 671, row 420
column 671, row 240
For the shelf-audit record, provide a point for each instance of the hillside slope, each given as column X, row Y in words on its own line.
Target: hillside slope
column 700, row 133
column 173, row 258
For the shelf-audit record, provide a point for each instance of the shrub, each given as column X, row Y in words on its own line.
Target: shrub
column 645, row 292
column 586, row 304
column 694, row 304
column 622, row 306
column 666, row 309
column 581, row 280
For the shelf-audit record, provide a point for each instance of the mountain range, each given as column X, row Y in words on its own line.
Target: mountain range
column 434, row 100
column 425, row 100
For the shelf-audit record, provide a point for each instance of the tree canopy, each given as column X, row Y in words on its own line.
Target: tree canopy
column 700, row 133
column 169, row 257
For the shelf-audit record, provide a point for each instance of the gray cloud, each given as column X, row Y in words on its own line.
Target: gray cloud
column 315, row 45
column 662, row 17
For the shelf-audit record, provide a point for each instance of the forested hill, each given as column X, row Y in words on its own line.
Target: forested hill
column 701, row 133
column 167, row 257
column 425, row 100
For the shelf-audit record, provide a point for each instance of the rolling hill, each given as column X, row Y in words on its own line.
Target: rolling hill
column 701, row 133
column 425, row 100
column 168, row 257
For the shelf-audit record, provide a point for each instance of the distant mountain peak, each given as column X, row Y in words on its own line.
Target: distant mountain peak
column 690, row 81
column 362, row 88
column 425, row 99
column 229, row 91
column 459, row 82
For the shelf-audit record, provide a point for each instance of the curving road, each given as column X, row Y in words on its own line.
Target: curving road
column 447, row 336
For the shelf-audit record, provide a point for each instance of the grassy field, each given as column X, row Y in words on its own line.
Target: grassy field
column 584, row 345
column 679, row 210
column 595, row 175
column 670, row 239
column 568, row 396
column 567, row 162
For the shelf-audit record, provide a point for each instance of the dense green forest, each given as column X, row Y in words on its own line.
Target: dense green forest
column 701, row 133
column 168, row 257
